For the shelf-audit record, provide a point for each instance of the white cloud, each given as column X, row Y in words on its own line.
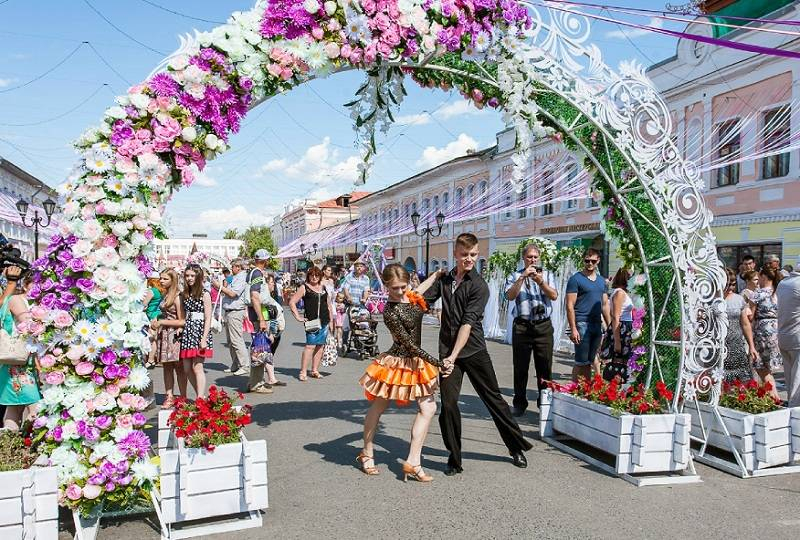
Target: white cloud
column 414, row 119
column 222, row 219
column 462, row 107
column 433, row 156
column 320, row 164
column 207, row 178
column 6, row 82
column 628, row 32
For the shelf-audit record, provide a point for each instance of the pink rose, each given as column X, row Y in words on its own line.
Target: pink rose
column 91, row 491
column 346, row 50
column 122, row 382
column 167, row 130
column 112, row 390
column 136, row 89
column 47, row 361
column 125, row 421
column 35, row 328
column 54, row 377
column 84, row 368
column 38, row 312
column 286, row 74
column 187, row 177
column 317, row 32
column 73, row 492
column 143, row 134
column 332, row 50
column 62, row 319
column 110, row 241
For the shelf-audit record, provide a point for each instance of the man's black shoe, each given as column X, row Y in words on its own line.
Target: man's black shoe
column 517, row 412
column 453, row 470
column 518, row 459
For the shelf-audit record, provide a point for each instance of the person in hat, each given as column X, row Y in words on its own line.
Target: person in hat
column 262, row 311
column 356, row 289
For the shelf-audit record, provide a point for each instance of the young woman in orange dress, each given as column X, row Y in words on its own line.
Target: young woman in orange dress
column 404, row 373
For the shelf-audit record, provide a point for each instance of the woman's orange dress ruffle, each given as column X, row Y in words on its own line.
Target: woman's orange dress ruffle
column 400, row 379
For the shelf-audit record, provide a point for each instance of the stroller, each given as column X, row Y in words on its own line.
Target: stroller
column 363, row 333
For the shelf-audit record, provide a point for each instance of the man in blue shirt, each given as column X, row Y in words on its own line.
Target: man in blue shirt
column 533, row 292
column 587, row 307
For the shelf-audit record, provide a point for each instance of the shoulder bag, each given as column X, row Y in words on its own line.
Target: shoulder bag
column 315, row 325
column 13, row 350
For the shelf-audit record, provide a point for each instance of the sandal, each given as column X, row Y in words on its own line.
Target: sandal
column 316, row 375
column 363, row 458
column 302, row 377
column 168, row 403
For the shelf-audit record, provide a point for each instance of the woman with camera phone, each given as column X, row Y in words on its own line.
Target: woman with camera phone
column 317, row 320
column 18, row 384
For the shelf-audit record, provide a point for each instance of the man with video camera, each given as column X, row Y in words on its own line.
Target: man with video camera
column 19, row 386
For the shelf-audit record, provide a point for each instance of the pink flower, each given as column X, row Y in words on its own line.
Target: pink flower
column 166, row 130
column 144, row 134
column 286, row 74
column 84, row 368
column 54, row 377
column 332, row 50
column 110, row 241
column 187, row 177
column 112, row 390
column 346, row 50
column 125, row 421
column 73, row 492
column 91, row 491
column 62, row 319
column 317, row 32
column 38, row 312
column 47, row 361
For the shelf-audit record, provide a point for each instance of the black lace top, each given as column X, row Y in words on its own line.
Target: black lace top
column 404, row 321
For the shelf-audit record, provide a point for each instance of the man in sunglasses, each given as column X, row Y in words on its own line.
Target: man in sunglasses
column 587, row 306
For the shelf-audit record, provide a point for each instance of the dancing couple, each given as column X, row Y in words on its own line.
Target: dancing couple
column 406, row 372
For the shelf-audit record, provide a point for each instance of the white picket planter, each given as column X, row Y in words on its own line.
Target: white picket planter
column 762, row 440
column 650, row 443
column 29, row 504
column 197, row 484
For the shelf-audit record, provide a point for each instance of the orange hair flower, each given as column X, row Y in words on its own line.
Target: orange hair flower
column 417, row 299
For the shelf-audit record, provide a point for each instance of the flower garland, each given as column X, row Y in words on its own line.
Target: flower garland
column 87, row 322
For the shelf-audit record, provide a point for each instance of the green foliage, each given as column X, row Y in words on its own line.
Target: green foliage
column 231, row 234
column 15, row 454
column 258, row 237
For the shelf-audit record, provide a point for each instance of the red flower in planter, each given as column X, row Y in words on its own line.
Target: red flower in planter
column 209, row 422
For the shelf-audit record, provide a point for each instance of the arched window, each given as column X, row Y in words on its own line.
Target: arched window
column 434, row 265
column 459, row 197
column 445, row 265
column 445, row 199
column 508, row 190
column 406, row 211
column 426, row 204
column 471, row 194
column 522, row 197
column 436, row 202
column 413, row 207
column 383, row 216
column 396, row 214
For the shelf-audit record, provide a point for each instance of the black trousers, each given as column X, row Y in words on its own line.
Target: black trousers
column 478, row 368
column 531, row 337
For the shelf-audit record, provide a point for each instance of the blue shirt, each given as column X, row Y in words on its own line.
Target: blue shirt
column 531, row 302
column 356, row 287
column 589, row 304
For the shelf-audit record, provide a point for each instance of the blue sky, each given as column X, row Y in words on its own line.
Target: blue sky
column 289, row 149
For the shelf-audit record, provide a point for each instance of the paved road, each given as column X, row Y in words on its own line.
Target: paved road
column 313, row 432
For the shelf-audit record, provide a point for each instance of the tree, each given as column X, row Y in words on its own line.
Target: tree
column 258, row 237
column 231, row 234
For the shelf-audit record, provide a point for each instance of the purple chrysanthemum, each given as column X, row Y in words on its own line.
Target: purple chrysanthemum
column 163, row 85
column 135, row 444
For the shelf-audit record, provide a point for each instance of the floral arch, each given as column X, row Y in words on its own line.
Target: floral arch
column 533, row 62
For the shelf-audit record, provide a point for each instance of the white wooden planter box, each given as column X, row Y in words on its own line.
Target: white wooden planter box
column 29, row 504
column 651, row 443
column 762, row 440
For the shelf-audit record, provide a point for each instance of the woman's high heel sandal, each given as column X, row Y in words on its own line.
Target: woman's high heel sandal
column 362, row 458
column 415, row 472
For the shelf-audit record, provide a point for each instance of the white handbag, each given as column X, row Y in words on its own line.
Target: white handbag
column 216, row 315
column 13, row 351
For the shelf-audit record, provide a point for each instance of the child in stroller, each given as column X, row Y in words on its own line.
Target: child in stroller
column 363, row 333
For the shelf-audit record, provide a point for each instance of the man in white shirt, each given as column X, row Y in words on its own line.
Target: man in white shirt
column 788, row 293
column 235, row 310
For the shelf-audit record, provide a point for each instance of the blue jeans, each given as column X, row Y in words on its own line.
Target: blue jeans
column 591, row 334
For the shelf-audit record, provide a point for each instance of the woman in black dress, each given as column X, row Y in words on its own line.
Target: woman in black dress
column 317, row 320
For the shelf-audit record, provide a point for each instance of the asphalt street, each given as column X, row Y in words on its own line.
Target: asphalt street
column 313, row 433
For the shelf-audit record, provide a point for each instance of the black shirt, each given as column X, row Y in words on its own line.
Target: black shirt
column 315, row 306
column 464, row 306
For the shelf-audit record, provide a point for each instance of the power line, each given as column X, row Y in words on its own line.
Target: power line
column 62, row 115
column 23, row 85
column 178, row 13
column 108, row 65
column 120, row 30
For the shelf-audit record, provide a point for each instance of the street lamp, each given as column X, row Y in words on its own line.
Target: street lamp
column 427, row 232
column 306, row 252
column 49, row 209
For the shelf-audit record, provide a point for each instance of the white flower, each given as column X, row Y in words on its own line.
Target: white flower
column 107, row 256
column 116, row 113
column 144, row 471
column 482, row 41
column 120, row 228
column 84, row 329
column 316, row 56
column 212, row 141
column 138, row 378
column 119, row 433
column 356, row 27
column 179, row 63
column 53, row 395
column 104, row 402
column 194, row 75
column 101, row 341
column 312, row 6
column 189, row 133
column 330, row 8
column 98, row 163
column 140, row 101
column 101, row 450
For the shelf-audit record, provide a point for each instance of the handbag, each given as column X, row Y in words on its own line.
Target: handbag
column 329, row 354
column 260, row 350
column 216, row 315
column 315, row 325
column 13, row 350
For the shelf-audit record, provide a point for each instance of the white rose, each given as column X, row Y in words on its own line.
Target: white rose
column 212, row 141
column 189, row 133
column 330, row 8
column 140, row 101
column 116, row 113
column 179, row 63
column 122, row 100
column 312, row 6
column 120, row 228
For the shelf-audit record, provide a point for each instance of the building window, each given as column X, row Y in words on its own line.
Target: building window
column 445, row 199
column 484, row 190
column 571, row 176
column 396, row 214
column 471, row 194
column 481, row 265
column 547, row 193
column 445, row 265
column 434, row 265
column 728, row 144
column 383, row 216
column 509, row 200
column 776, row 136
column 436, row 203
column 522, row 197
column 731, row 256
column 413, row 207
column 459, row 197
column 426, row 205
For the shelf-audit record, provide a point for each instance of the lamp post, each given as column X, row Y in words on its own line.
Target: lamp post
column 307, row 253
column 427, row 232
column 49, row 209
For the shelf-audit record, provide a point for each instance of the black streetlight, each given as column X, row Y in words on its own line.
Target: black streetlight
column 49, row 209
column 427, row 232
column 307, row 252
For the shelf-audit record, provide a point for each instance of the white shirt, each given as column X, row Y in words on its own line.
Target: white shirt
column 788, row 293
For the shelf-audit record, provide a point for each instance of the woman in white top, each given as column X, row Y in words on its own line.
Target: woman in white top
column 617, row 341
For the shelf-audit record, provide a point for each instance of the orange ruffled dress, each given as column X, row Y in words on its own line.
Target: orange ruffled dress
column 405, row 372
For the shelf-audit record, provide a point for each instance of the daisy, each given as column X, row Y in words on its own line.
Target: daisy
column 138, row 378
column 98, row 163
column 356, row 27
column 316, row 57
column 84, row 329
column 101, row 340
column 482, row 41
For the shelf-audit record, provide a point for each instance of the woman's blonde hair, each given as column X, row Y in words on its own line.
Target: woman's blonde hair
column 174, row 288
column 395, row 271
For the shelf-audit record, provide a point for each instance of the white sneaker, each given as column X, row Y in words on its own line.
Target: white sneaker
column 227, row 370
column 242, row 371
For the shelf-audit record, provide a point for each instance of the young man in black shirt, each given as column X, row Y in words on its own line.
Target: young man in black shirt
column 462, row 346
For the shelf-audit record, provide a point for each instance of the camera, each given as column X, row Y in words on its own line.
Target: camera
column 11, row 256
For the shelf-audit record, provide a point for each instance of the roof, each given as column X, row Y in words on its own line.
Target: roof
column 26, row 177
column 332, row 203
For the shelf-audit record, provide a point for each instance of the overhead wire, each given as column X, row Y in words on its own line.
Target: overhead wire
column 108, row 64
column 120, row 30
column 45, row 73
column 184, row 15
column 59, row 116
